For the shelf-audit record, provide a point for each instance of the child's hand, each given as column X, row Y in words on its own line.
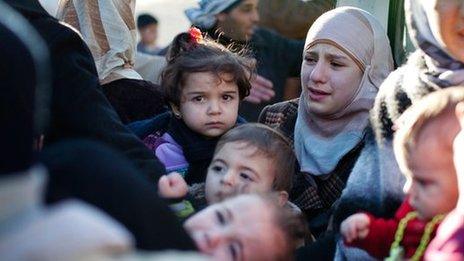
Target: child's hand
column 355, row 227
column 172, row 185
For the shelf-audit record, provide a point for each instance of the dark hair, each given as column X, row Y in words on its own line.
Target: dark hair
column 145, row 19
column 187, row 55
column 272, row 144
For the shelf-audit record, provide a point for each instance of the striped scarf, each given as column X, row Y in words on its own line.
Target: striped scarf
column 108, row 27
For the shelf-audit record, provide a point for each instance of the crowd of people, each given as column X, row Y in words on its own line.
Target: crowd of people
column 239, row 141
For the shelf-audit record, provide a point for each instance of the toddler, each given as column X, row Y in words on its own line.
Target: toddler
column 249, row 158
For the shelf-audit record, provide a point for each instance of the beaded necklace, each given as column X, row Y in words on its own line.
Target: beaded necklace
column 397, row 252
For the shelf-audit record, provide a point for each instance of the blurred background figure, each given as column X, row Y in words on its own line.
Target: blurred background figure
column 292, row 18
column 108, row 28
column 148, row 30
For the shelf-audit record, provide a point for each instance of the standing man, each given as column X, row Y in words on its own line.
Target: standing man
column 278, row 59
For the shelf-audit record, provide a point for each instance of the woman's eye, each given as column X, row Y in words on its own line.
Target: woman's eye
column 246, row 176
column 220, row 217
column 309, row 59
column 336, row 64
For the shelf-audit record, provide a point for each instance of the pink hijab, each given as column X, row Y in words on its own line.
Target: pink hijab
column 320, row 142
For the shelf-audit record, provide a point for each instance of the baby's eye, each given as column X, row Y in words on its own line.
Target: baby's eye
column 220, row 217
column 233, row 252
column 217, row 168
column 246, row 176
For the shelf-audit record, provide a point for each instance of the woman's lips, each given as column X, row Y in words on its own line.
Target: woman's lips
column 317, row 95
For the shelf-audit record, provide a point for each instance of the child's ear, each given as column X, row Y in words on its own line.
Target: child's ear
column 175, row 110
column 460, row 113
column 283, row 197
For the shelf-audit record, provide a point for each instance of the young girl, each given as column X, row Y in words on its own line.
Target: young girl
column 203, row 84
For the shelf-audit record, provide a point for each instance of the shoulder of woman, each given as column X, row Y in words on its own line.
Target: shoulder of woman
column 278, row 112
column 388, row 103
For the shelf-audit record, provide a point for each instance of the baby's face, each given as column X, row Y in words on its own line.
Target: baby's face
column 458, row 145
column 238, row 168
column 241, row 228
column 432, row 187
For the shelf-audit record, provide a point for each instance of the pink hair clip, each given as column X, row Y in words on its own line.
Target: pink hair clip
column 195, row 35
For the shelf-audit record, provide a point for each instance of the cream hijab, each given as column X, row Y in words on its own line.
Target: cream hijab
column 321, row 142
column 108, row 28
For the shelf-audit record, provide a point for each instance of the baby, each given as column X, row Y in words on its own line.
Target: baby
column 249, row 158
column 449, row 242
column 247, row 227
column 423, row 148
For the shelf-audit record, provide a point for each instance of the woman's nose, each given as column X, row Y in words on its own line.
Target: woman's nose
column 319, row 73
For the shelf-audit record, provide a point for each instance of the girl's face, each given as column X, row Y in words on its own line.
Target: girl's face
column 209, row 104
column 329, row 78
column 237, row 229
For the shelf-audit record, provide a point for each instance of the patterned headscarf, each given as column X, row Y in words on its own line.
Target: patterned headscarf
column 108, row 28
column 205, row 15
column 442, row 69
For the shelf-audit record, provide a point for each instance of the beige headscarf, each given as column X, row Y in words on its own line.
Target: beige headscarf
column 320, row 142
column 108, row 27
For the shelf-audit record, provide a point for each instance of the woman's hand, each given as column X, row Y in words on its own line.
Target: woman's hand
column 172, row 185
column 355, row 227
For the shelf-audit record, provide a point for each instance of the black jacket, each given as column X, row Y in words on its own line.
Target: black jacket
column 79, row 109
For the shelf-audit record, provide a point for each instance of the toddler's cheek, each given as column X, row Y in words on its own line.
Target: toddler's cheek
column 459, row 151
